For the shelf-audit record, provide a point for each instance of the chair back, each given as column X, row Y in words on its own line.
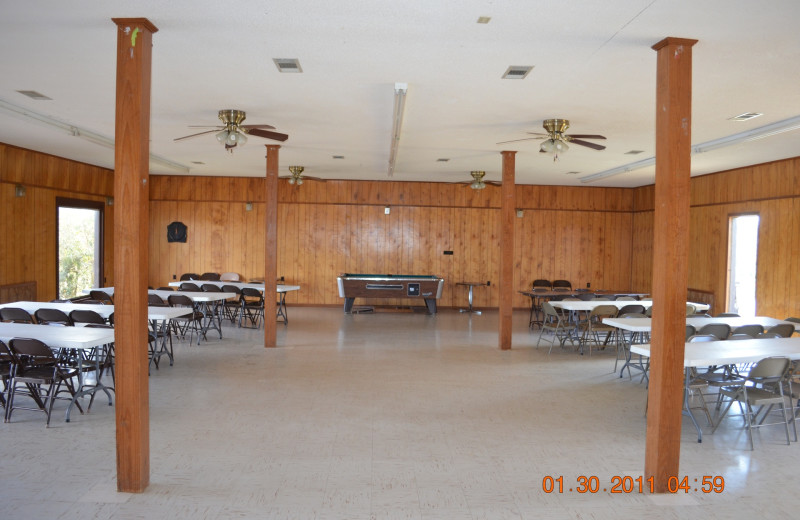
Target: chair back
column 769, row 370
column 166, row 288
column 15, row 315
column 212, row 277
column 784, row 329
column 101, row 295
column 632, row 308
column 189, row 276
column 625, row 298
column 31, row 352
column 720, row 330
column 649, row 311
column 541, row 284
column 604, row 311
column 229, row 277
column 86, row 316
column 734, row 337
column 210, row 287
column 690, row 309
column 632, row 315
column 191, row 287
column 586, row 297
column 751, row 330
column 179, row 300
column 154, row 300
column 52, row 317
column 768, row 335
column 232, row 288
column 562, row 285
column 690, row 331
column 727, row 315
column 250, row 292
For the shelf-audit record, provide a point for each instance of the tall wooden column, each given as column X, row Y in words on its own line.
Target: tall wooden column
column 131, row 199
column 670, row 258
column 271, row 260
column 507, row 210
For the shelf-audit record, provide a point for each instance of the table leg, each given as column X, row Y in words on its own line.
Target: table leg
column 85, row 389
column 686, row 409
column 469, row 299
column 282, row 308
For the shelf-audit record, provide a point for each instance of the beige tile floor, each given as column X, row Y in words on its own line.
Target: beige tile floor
column 383, row 416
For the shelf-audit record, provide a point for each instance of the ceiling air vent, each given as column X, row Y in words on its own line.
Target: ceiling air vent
column 35, row 95
column 517, row 72
column 287, row 65
column 746, row 116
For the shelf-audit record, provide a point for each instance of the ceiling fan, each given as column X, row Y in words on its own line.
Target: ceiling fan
column 233, row 133
column 297, row 176
column 556, row 140
column 477, row 181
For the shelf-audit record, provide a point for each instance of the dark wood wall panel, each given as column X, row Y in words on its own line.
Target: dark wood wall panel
column 319, row 241
column 772, row 191
column 28, row 222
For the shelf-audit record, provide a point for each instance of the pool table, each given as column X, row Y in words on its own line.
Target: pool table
column 427, row 287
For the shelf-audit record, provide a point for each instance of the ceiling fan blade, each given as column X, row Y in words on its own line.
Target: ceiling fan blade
column 540, row 134
column 588, row 144
column 493, row 183
column 585, row 136
column 250, row 127
column 195, row 135
column 220, row 127
column 517, row 140
column 275, row 136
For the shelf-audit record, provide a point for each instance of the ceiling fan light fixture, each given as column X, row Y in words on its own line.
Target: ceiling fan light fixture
column 222, row 136
column 241, row 139
column 478, row 183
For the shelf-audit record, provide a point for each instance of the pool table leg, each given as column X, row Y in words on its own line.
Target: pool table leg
column 348, row 305
column 431, row 303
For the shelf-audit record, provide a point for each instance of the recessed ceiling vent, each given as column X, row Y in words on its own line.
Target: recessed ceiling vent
column 517, row 72
column 746, row 116
column 288, row 65
column 35, row 95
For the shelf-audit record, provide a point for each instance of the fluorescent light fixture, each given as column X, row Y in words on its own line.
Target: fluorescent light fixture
column 779, row 127
column 77, row 131
column 400, row 90
column 761, row 132
column 644, row 163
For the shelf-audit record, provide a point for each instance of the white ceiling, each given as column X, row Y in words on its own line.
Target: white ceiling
column 593, row 64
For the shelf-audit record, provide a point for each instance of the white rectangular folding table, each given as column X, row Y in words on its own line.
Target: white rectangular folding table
column 78, row 338
column 644, row 325
column 159, row 318
column 727, row 353
column 281, row 290
column 206, row 302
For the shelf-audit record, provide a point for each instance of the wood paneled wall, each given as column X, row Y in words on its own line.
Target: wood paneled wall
column 601, row 236
column 28, row 223
column 772, row 191
column 327, row 228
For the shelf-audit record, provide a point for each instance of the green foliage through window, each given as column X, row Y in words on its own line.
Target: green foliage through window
column 77, row 246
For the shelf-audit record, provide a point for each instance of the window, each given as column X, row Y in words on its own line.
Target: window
column 80, row 246
column 742, row 255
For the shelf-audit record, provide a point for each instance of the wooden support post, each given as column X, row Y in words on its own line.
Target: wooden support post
column 271, row 242
column 670, row 259
column 507, row 211
column 131, row 198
